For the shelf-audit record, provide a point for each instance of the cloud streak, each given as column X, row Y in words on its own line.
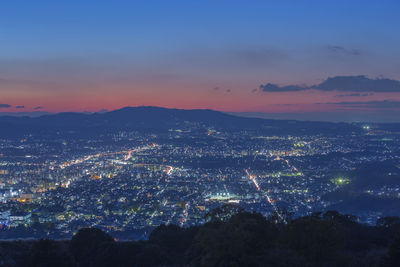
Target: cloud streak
column 359, row 83
column 355, row 94
column 336, row 49
column 383, row 104
column 270, row 87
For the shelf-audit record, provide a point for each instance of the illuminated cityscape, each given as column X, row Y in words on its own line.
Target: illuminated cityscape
column 199, row 133
column 129, row 182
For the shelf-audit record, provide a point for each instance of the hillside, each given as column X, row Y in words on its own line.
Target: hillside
column 158, row 119
column 244, row 239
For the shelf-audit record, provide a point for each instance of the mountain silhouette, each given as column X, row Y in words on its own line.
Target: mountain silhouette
column 156, row 119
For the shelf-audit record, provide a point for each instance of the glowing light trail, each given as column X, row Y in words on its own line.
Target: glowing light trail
column 253, row 179
column 185, row 214
column 128, row 156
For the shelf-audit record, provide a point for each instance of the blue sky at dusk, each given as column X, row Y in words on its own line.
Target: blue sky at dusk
column 93, row 55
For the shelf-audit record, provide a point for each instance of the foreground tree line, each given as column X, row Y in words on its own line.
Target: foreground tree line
column 231, row 237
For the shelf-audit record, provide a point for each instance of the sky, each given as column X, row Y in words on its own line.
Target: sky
column 234, row 56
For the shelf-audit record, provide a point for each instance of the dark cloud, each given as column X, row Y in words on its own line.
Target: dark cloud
column 19, row 106
column 359, row 83
column 382, row 104
column 270, row 87
column 222, row 90
column 5, row 106
column 37, row 108
column 355, row 94
column 336, row 49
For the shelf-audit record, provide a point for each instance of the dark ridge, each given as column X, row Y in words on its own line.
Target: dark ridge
column 158, row 119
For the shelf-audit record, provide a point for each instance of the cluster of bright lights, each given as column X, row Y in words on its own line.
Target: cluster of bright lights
column 367, row 127
column 340, row 181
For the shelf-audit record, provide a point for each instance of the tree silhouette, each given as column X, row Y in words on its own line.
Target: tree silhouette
column 48, row 253
column 88, row 246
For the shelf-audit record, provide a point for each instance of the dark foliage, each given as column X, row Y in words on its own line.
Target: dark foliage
column 237, row 238
column 89, row 246
column 47, row 253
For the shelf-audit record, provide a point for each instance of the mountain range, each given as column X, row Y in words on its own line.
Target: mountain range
column 158, row 119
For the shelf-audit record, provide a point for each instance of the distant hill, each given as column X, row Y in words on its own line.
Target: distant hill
column 353, row 197
column 158, row 119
